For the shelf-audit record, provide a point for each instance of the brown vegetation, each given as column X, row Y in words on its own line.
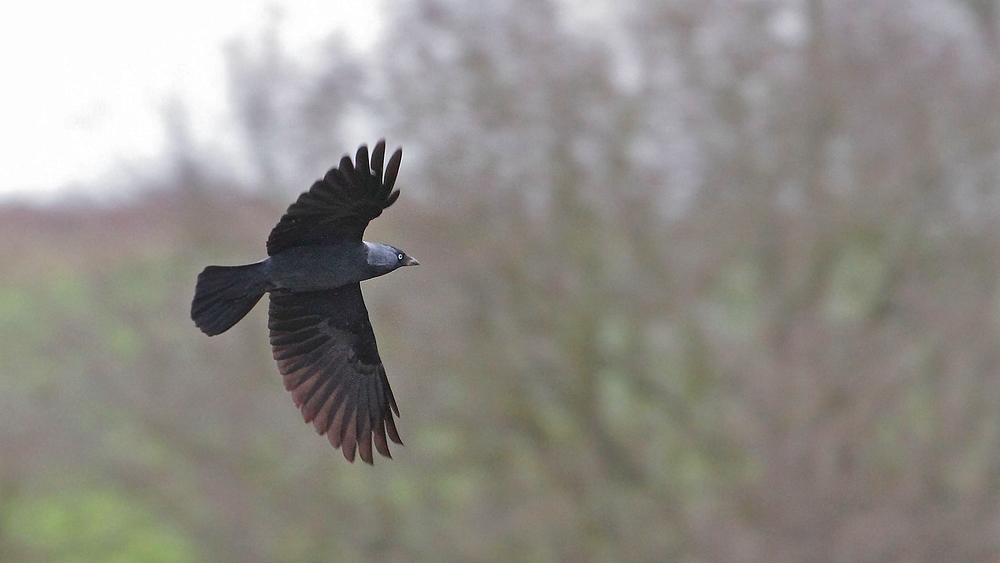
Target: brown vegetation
column 721, row 285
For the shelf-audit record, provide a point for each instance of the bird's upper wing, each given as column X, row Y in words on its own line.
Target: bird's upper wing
column 339, row 206
column 325, row 349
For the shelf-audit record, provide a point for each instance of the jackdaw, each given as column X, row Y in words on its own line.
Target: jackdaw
column 320, row 335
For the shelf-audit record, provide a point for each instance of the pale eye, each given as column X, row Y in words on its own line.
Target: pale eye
column 400, row 256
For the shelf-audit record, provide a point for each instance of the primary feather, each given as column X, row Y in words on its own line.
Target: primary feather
column 326, row 352
column 340, row 206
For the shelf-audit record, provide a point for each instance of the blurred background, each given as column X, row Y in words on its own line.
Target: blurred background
column 702, row 281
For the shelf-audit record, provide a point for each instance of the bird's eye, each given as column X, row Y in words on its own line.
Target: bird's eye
column 400, row 256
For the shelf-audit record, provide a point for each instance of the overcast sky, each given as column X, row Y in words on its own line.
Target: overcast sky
column 85, row 83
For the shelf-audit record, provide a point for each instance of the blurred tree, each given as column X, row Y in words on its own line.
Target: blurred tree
column 292, row 118
column 810, row 179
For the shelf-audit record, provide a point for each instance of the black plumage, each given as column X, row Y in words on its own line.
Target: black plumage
column 321, row 336
column 339, row 206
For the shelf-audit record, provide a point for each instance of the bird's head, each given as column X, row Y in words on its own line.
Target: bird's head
column 383, row 258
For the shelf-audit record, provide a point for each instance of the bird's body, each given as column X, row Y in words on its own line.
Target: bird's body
column 316, row 267
column 321, row 336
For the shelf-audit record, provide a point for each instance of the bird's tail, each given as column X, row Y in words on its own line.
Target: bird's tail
column 225, row 294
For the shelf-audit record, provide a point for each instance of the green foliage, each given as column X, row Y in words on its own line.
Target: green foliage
column 738, row 297
column 857, row 283
column 92, row 526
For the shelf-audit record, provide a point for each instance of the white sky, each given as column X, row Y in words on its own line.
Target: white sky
column 84, row 83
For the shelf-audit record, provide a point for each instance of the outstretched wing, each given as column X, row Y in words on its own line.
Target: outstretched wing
column 325, row 349
column 339, row 206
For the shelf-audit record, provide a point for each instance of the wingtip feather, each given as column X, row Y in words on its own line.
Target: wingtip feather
column 346, row 166
column 361, row 159
column 336, row 379
column 392, row 169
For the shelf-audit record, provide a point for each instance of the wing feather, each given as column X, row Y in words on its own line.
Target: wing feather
column 378, row 157
column 327, row 355
column 340, row 206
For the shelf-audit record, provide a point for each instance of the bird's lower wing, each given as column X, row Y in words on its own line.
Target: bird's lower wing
column 326, row 352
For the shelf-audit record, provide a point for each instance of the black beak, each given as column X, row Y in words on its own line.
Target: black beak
column 410, row 261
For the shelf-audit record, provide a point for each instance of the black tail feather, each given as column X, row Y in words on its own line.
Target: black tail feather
column 225, row 294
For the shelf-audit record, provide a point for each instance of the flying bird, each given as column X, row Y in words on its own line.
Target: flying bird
column 320, row 334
